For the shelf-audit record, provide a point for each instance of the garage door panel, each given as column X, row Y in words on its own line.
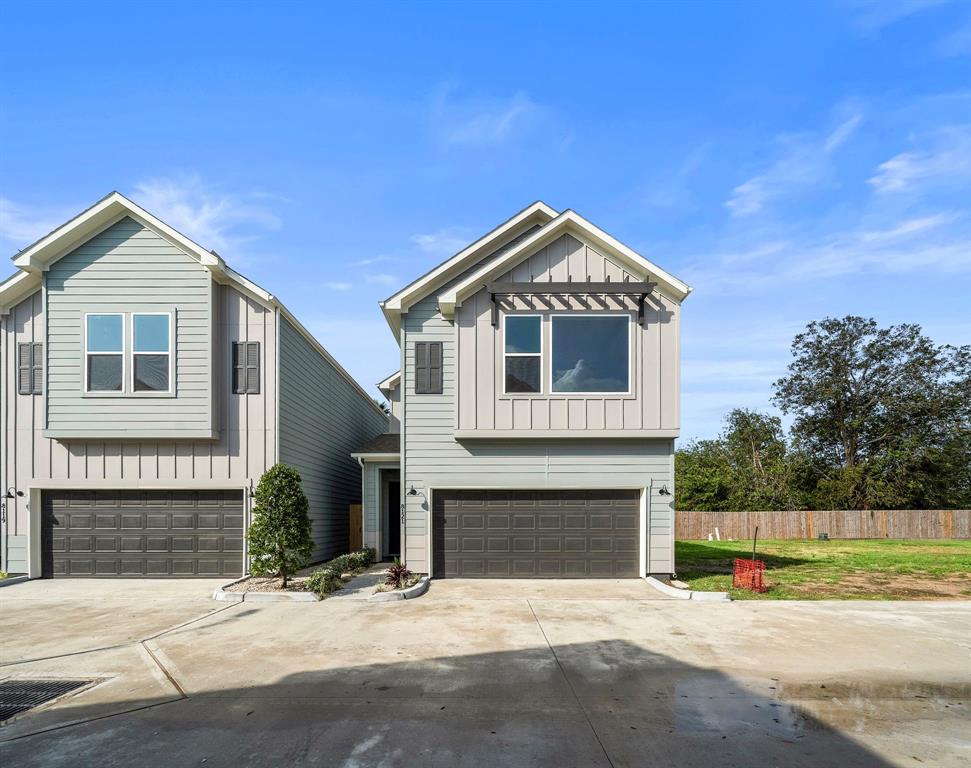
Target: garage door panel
column 545, row 534
column 156, row 534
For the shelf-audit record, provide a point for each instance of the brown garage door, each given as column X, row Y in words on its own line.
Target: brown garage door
column 142, row 534
column 536, row 534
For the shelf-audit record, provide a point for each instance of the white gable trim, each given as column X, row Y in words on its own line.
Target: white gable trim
column 38, row 257
column 386, row 385
column 568, row 221
column 394, row 306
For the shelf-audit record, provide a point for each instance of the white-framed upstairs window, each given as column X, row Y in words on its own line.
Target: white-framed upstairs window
column 151, row 352
column 522, row 352
column 591, row 353
column 104, row 352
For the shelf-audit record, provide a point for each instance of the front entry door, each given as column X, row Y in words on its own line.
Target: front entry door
column 393, row 518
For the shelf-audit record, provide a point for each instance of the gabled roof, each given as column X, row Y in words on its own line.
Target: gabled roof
column 392, row 381
column 109, row 210
column 387, row 444
column 568, row 221
column 537, row 213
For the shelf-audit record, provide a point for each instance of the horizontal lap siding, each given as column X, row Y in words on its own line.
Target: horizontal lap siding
column 433, row 458
column 247, row 424
column 323, row 418
column 127, row 268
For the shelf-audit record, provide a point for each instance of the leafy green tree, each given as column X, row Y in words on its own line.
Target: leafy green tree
column 279, row 536
column 883, row 413
column 746, row 468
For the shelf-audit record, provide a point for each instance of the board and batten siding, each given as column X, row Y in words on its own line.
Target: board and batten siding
column 652, row 404
column 246, row 446
column 323, row 419
column 433, row 458
column 128, row 268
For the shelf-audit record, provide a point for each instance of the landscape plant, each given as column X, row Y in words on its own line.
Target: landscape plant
column 327, row 578
column 398, row 575
column 279, row 536
column 881, row 418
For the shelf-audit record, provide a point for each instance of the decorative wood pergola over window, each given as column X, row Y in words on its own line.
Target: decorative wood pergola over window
column 626, row 288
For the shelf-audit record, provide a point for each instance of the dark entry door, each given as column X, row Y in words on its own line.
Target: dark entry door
column 526, row 534
column 142, row 534
column 393, row 518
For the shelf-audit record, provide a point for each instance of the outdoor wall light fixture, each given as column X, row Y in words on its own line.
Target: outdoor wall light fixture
column 11, row 492
column 664, row 491
column 412, row 491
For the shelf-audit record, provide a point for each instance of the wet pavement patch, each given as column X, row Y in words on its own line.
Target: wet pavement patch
column 720, row 705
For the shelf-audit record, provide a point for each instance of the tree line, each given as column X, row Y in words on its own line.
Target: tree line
column 881, row 419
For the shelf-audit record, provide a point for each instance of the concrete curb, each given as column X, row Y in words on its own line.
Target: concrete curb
column 11, row 580
column 261, row 597
column 687, row 594
column 410, row 593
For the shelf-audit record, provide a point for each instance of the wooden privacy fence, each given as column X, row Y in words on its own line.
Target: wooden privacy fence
column 839, row 524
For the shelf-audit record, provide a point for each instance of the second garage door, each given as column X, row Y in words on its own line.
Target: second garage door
column 147, row 534
column 536, row 534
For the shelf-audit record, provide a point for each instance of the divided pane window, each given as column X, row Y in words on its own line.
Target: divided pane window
column 428, row 368
column 591, row 353
column 104, row 352
column 30, row 368
column 522, row 352
column 246, row 368
column 151, row 352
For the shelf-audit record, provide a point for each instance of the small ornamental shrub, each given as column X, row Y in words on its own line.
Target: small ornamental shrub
column 279, row 536
column 324, row 580
column 398, row 575
column 327, row 578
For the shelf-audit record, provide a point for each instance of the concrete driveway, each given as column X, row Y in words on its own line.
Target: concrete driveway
column 476, row 674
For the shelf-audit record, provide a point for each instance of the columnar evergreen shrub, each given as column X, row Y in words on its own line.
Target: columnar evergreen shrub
column 279, row 536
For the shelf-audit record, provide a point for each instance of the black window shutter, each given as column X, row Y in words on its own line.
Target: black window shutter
column 253, row 367
column 435, row 367
column 37, row 368
column 246, row 368
column 428, row 368
column 24, row 375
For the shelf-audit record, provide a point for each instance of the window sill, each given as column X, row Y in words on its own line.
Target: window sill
column 133, row 435
column 128, row 395
column 573, row 434
column 567, row 396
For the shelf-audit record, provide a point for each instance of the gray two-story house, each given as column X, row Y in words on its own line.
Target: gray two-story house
column 145, row 387
column 535, row 411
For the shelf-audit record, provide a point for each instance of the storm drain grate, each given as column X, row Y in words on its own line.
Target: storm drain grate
column 18, row 696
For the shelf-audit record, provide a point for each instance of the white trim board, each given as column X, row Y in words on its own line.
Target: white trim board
column 568, row 221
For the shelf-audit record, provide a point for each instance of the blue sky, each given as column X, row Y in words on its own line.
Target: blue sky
column 788, row 160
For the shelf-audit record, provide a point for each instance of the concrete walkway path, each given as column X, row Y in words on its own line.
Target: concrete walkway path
column 461, row 678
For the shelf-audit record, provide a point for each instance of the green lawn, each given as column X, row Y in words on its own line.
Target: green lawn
column 859, row 569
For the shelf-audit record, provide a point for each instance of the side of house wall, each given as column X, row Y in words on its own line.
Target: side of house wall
column 432, row 457
column 323, row 418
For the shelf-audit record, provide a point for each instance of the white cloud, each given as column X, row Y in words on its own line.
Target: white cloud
column 480, row 122
column 934, row 242
column 674, row 191
column 947, row 158
column 220, row 221
column 444, row 242
column 381, row 278
column 22, row 225
column 957, row 42
column 338, row 286
column 366, row 262
column 803, row 161
column 872, row 16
